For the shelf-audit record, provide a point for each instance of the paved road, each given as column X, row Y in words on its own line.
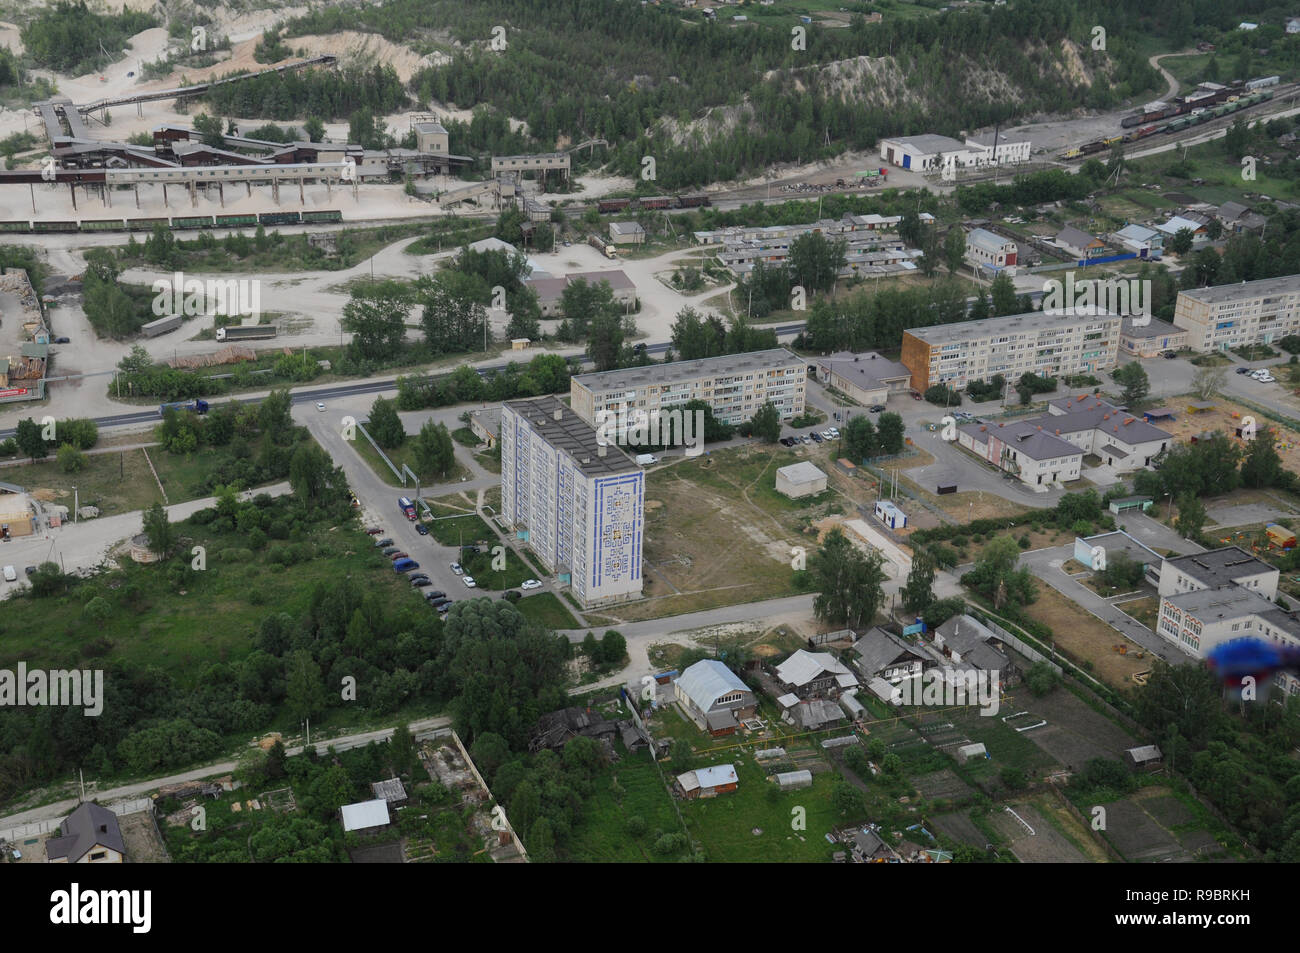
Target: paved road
column 419, row 729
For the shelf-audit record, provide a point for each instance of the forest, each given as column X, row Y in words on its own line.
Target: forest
column 69, row 38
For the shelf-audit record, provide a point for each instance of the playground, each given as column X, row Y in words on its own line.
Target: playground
column 1226, row 416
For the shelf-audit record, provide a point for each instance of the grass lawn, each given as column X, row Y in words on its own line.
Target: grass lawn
column 115, row 482
column 403, row 455
column 461, row 530
column 465, row 437
column 212, row 620
column 754, row 822
column 481, row 568
column 545, row 609
column 602, row 834
column 1146, row 610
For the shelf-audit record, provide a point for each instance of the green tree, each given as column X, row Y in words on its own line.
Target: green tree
column 158, row 529
column 70, row 458
column 1191, row 516
column 305, row 692
column 1207, row 382
column 312, row 474
column 605, row 339
column 849, row 582
column 766, row 423
column 314, row 129
column 1262, row 466
column 918, row 592
column 434, row 452
column 29, row 439
column 954, row 249
column 1133, row 378
column 860, row 439
column 681, row 756
column 997, row 575
column 376, row 316
column 384, row 424
column 1003, row 292
column 1181, row 243
column 401, row 750
column 889, row 433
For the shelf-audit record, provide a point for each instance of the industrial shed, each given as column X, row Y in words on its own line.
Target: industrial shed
column 800, row 479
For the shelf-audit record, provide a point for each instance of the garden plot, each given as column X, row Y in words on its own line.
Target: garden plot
column 1024, row 721
column 942, row 785
column 1154, row 826
column 1046, row 845
column 959, row 826
column 1075, row 733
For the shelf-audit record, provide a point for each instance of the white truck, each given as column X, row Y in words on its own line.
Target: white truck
column 646, row 459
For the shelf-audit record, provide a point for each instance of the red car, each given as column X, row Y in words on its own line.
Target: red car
column 373, row 531
column 398, row 555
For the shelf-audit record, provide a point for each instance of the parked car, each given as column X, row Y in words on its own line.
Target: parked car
column 373, row 530
column 391, row 551
column 440, row 601
column 422, row 529
column 876, row 408
column 319, row 405
column 531, row 584
column 435, row 594
column 916, row 395
column 469, row 582
column 512, row 595
column 381, row 543
column 834, row 432
column 405, row 565
column 1267, row 379
column 805, row 439
column 30, row 570
column 419, row 582
column 455, row 567
column 63, row 340
column 1169, row 355
column 445, row 607
column 817, row 438
column 1244, row 370
column 11, row 573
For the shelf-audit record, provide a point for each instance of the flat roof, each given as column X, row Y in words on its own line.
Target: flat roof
column 365, row 814
column 630, row 377
column 928, row 142
column 1288, row 284
column 802, row 472
column 1010, row 324
column 1220, row 567
column 866, row 369
column 1233, row 602
column 1120, row 541
column 1154, row 328
column 572, row 435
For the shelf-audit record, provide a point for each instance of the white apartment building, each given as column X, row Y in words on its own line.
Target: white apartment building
column 578, row 505
column 1024, row 449
column 1251, row 312
column 1044, row 344
column 734, row 386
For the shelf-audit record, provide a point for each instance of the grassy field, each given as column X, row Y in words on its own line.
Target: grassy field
column 545, row 609
column 718, row 533
column 403, row 455
column 461, row 530
column 211, row 621
column 602, row 835
column 481, row 568
column 115, row 482
column 1085, row 638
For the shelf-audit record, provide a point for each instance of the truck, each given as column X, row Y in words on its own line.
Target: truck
column 245, row 332
column 646, row 459
column 197, row 405
column 407, row 508
column 164, row 324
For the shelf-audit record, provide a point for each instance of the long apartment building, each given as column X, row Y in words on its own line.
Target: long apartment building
column 1250, row 312
column 578, row 505
column 734, row 386
column 1210, row 598
column 1044, row 344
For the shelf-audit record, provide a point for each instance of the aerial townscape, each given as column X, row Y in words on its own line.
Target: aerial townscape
column 637, row 431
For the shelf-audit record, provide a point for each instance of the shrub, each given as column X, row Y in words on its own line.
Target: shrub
column 97, row 609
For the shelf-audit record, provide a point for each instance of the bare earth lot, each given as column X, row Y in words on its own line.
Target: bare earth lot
column 1045, row 846
column 1084, row 637
column 1074, row 733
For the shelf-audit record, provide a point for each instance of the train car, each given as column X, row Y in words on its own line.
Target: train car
column 1128, row 122
column 234, row 221
column 612, row 205
column 15, row 226
column 103, row 225
column 192, row 221
column 54, row 226
column 698, row 200
column 656, row 201
column 279, row 218
column 325, row 215
column 145, row 224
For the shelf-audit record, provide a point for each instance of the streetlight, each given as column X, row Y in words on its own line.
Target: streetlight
column 75, row 506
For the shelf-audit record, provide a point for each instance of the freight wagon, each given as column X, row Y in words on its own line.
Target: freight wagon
column 193, row 221
column 279, row 218
column 331, row 215
column 235, row 221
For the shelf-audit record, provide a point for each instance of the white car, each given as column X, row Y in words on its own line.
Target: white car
column 826, row 435
column 11, row 574
column 834, row 432
column 319, row 405
column 531, row 584
column 455, row 567
column 1266, row 380
column 469, row 582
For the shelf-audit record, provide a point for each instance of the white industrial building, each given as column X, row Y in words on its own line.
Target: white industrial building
column 984, row 248
column 577, row 503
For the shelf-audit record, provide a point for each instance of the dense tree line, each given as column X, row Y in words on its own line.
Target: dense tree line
column 330, row 94
column 69, row 37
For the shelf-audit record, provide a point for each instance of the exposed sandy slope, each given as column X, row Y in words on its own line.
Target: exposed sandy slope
column 367, row 49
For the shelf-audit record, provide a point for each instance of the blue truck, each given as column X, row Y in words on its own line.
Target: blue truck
column 196, row 405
